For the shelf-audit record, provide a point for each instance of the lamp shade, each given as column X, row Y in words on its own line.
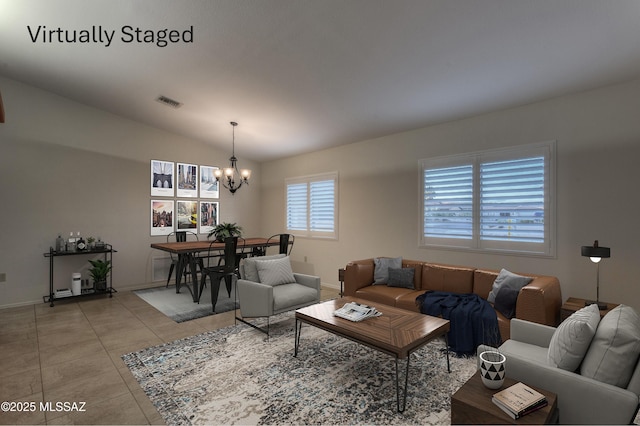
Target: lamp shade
column 595, row 251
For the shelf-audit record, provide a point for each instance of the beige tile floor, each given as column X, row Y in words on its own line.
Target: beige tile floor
column 71, row 354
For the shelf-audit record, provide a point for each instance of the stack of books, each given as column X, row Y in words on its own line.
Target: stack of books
column 519, row 400
column 356, row 312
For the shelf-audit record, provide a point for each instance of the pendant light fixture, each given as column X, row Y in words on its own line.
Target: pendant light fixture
column 231, row 177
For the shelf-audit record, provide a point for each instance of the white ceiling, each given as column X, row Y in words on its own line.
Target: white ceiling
column 302, row 75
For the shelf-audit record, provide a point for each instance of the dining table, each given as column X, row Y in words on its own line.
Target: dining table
column 188, row 253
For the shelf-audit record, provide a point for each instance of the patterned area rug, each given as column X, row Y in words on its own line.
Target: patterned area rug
column 237, row 376
column 180, row 307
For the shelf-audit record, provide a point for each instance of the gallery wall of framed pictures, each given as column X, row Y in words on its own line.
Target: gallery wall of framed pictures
column 181, row 198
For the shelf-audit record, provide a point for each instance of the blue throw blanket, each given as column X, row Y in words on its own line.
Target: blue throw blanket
column 473, row 319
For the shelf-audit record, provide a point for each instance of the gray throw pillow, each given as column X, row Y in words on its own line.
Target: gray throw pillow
column 275, row 271
column 248, row 270
column 382, row 265
column 506, row 301
column 572, row 338
column 613, row 353
column 401, row 277
column 508, row 279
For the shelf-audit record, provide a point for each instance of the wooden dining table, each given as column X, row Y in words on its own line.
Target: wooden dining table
column 188, row 251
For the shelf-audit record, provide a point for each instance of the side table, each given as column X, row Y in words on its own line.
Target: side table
column 574, row 303
column 472, row 404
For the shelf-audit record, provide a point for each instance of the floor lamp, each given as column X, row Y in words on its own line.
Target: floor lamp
column 596, row 253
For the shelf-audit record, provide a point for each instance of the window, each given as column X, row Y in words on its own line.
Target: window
column 312, row 205
column 501, row 200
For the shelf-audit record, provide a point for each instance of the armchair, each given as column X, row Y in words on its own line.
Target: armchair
column 268, row 287
column 581, row 399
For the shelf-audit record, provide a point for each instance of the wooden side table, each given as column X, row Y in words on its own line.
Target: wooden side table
column 472, row 404
column 573, row 304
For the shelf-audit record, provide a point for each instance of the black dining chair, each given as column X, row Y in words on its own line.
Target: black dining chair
column 180, row 237
column 286, row 243
column 217, row 272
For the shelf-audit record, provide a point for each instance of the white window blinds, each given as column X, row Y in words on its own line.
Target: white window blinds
column 312, row 205
column 500, row 200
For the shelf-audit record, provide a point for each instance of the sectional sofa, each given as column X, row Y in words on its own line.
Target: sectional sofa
column 539, row 301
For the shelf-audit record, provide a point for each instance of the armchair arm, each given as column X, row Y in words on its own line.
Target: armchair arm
column 308, row 280
column 256, row 299
column 531, row 332
column 581, row 400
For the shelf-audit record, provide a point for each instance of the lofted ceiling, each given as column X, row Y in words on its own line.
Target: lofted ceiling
column 303, row 75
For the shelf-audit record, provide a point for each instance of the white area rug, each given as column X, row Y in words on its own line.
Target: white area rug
column 180, row 307
column 236, row 376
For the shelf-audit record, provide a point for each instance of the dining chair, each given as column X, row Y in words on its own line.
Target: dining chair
column 285, row 243
column 180, row 237
column 217, row 272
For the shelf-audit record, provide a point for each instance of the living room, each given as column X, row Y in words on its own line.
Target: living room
column 66, row 166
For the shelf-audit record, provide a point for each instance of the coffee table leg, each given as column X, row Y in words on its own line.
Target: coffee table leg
column 297, row 337
column 446, row 342
column 402, row 399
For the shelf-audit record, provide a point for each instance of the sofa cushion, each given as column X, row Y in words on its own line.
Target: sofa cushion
column 401, row 277
column 248, row 270
column 287, row 296
column 614, row 352
column 506, row 301
column 275, row 271
column 508, row 279
column 454, row 279
column 571, row 339
column 382, row 265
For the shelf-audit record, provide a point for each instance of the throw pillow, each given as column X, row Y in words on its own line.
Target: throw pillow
column 382, row 265
column 275, row 271
column 401, row 277
column 249, row 271
column 509, row 279
column 506, row 301
column 572, row 338
column 614, row 352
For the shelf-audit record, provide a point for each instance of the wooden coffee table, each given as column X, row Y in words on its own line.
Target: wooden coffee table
column 396, row 332
column 471, row 404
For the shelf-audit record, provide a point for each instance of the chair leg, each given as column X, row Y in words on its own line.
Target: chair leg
column 228, row 279
column 215, row 289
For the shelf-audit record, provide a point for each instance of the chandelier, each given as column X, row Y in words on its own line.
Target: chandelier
column 231, row 177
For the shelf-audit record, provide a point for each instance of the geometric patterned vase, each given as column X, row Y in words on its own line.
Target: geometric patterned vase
column 492, row 369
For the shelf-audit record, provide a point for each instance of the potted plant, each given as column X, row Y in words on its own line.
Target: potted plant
column 224, row 230
column 91, row 243
column 99, row 271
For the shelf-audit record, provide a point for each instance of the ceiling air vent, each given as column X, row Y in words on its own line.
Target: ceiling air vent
column 169, row 102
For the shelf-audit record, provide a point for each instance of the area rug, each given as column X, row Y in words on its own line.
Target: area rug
column 180, row 307
column 236, row 375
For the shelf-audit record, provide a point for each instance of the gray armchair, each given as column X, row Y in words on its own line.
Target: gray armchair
column 581, row 399
column 267, row 286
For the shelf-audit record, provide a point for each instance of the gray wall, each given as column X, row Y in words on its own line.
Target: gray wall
column 67, row 167
column 598, row 147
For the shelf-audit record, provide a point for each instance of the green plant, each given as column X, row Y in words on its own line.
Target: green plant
column 100, row 270
column 224, row 230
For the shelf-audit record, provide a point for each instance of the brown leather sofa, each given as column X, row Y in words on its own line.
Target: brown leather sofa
column 539, row 301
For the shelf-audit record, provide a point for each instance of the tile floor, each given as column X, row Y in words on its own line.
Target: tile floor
column 71, row 354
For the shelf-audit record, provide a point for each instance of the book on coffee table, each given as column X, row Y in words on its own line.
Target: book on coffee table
column 519, row 400
column 356, row 312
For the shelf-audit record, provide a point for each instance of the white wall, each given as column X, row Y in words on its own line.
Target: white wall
column 68, row 167
column 598, row 149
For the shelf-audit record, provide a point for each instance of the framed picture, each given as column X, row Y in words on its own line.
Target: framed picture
column 209, row 216
column 162, row 178
column 187, row 216
column 208, row 183
column 161, row 217
column 187, row 185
